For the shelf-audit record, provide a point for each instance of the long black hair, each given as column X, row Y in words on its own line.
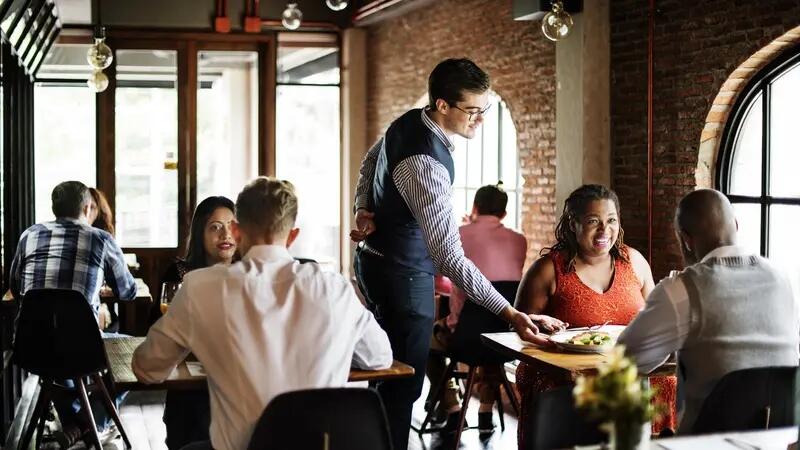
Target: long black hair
column 574, row 209
column 195, row 249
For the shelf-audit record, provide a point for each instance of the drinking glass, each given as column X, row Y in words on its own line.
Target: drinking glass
column 168, row 291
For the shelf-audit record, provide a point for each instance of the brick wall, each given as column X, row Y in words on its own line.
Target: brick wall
column 520, row 61
column 698, row 44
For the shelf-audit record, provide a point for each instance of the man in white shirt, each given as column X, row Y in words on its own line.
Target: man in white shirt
column 728, row 310
column 265, row 325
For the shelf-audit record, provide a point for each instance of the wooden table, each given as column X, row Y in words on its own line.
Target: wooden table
column 512, row 346
column 774, row 439
column 120, row 354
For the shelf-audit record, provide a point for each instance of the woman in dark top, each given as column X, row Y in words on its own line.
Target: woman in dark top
column 186, row 413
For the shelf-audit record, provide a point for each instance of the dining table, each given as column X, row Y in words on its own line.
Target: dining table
column 189, row 374
column 554, row 358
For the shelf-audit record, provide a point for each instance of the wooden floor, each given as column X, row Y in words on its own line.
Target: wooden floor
column 142, row 418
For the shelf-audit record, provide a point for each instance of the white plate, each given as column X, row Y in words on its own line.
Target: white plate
column 562, row 339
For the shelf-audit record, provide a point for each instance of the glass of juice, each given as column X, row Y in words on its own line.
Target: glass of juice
column 168, row 291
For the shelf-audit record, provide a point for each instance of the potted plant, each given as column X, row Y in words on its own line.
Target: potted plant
column 618, row 398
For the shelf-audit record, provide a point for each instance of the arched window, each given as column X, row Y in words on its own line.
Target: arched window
column 759, row 162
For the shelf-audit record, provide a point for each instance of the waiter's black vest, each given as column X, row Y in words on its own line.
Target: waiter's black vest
column 397, row 233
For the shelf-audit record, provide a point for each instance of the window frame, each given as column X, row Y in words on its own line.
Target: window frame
column 761, row 84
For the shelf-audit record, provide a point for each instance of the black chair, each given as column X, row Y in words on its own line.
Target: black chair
column 466, row 347
column 749, row 399
column 555, row 423
column 333, row 419
column 57, row 338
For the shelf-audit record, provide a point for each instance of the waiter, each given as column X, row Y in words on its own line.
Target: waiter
column 407, row 231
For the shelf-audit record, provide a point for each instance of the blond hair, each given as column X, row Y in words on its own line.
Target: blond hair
column 267, row 206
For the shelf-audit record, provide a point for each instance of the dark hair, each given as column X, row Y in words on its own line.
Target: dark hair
column 69, row 198
column 105, row 218
column 574, row 209
column 491, row 200
column 451, row 77
column 195, row 248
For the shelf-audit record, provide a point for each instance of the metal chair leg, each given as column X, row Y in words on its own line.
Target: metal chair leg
column 112, row 408
column 500, row 411
column 87, row 410
column 464, row 405
column 37, row 413
column 512, row 396
column 44, row 396
column 448, row 373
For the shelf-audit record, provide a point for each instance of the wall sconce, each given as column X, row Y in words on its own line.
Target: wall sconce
column 99, row 56
column 557, row 23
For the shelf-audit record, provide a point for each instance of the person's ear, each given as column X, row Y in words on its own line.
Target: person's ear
column 236, row 232
column 686, row 241
column 292, row 236
column 442, row 106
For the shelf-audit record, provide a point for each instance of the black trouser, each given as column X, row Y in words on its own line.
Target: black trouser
column 402, row 300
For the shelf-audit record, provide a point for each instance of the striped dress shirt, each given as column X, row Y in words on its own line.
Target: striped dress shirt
column 424, row 184
column 68, row 254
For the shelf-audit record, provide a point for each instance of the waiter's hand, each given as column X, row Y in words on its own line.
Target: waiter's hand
column 103, row 317
column 364, row 225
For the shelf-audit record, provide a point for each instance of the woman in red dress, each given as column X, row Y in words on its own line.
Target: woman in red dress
column 589, row 277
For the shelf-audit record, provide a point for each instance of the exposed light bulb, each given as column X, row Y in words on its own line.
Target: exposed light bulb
column 557, row 23
column 98, row 81
column 336, row 5
column 292, row 16
column 99, row 55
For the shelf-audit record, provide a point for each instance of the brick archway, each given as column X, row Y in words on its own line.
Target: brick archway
column 726, row 98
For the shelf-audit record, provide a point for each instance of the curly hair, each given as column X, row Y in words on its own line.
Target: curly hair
column 574, row 209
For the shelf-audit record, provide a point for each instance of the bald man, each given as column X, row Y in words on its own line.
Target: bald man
column 728, row 310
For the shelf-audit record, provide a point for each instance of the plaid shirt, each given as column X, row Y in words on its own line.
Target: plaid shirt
column 68, row 254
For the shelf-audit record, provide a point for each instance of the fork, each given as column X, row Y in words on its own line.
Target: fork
column 591, row 328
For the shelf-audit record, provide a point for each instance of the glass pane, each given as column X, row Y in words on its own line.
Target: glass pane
column 489, row 141
column 512, row 217
column 748, row 216
column 64, row 143
column 308, row 65
column 475, row 160
column 309, row 157
column 746, row 165
column 147, row 148
column 510, row 165
column 459, row 202
column 66, row 61
column 783, row 244
column 227, row 122
column 785, row 135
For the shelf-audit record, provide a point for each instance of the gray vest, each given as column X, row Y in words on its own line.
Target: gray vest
column 743, row 315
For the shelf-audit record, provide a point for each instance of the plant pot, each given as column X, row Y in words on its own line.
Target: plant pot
column 627, row 435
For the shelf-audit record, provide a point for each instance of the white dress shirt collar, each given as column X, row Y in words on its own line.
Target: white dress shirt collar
column 268, row 252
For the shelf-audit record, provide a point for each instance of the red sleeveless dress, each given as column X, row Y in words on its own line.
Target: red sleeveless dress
column 581, row 306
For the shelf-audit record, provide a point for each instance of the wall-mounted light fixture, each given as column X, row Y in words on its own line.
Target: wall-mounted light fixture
column 557, row 23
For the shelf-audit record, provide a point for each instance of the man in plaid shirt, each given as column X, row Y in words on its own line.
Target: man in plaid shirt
column 69, row 254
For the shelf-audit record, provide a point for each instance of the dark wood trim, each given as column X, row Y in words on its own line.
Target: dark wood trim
column 105, row 138
column 187, row 139
column 186, row 35
column 228, row 46
column 268, row 65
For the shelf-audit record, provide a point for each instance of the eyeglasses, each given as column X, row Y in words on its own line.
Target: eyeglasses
column 472, row 114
